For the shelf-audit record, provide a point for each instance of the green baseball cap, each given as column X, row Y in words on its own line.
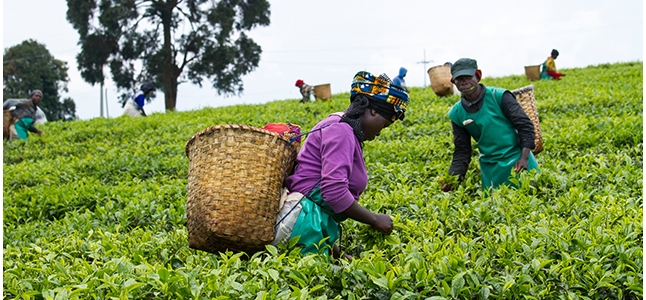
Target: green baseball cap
column 464, row 67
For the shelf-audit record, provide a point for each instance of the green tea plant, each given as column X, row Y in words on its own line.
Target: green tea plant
column 96, row 209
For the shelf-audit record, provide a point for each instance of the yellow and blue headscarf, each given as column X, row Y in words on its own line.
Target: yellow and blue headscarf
column 380, row 88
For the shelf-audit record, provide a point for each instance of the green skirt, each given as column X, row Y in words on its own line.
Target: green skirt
column 317, row 222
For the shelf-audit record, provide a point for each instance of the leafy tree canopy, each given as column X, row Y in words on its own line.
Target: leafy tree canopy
column 168, row 42
column 29, row 66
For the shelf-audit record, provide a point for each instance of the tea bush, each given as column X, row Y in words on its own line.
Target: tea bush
column 96, row 209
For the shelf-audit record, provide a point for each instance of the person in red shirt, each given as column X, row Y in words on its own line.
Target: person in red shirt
column 307, row 91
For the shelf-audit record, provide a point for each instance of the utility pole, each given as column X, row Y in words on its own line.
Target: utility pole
column 101, row 104
column 425, row 62
column 107, row 115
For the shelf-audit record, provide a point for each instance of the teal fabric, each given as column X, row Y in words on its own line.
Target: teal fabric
column 496, row 137
column 22, row 127
column 497, row 173
column 316, row 222
column 544, row 75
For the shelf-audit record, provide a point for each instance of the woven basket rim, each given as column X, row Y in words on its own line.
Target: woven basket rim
column 433, row 67
column 234, row 126
column 523, row 89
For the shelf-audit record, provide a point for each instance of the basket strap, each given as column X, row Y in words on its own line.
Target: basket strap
column 316, row 184
column 292, row 139
column 312, row 188
column 299, row 202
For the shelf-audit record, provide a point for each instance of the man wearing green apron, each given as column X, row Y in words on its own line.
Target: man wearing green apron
column 495, row 120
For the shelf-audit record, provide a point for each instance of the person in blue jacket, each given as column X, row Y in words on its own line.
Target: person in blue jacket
column 399, row 79
column 135, row 105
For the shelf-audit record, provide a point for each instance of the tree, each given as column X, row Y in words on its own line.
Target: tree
column 29, row 66
column 168, row 42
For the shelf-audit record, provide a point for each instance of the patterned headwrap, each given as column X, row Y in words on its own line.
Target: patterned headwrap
column 381, row 88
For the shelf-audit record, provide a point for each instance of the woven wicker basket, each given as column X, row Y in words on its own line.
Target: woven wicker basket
column 441, row 80
column 7, row 120
column 533, row 72
column 323, row 91
column 235, row 177
column 525, row 97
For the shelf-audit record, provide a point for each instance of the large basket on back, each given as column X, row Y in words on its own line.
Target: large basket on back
column 7, row 120
column 533, row 72
column 525, row 97
column 323, row 91
column 235, row 177
column 441, row 80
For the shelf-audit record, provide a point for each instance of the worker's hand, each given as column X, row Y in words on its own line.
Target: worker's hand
column 520, row 165
column 450, row 182
column 336, row 253
column 383, row 223
column 447, row 187
column 39, row 132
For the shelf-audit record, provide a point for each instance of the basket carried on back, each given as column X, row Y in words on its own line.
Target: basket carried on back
column 525, row 97
column 7, row 120
column 533, row 72
column 235, row 177
column 323, row 91
column 441, row 80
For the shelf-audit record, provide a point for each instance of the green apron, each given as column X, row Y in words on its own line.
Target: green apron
column 496, row 137
column 22, row 127
column 544, row 75
column 316, row 222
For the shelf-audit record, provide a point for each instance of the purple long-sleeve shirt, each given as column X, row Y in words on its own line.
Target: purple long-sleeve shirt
column 333, row 155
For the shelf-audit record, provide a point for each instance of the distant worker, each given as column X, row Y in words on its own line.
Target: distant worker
column 399, row 79
column 24, row 111
column 135, row 105
column 307, row 91
column 549, row 67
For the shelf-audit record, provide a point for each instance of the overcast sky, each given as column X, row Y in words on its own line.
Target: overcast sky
column 329, row 41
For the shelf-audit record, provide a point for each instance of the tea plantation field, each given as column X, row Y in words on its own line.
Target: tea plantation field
column 96, row 209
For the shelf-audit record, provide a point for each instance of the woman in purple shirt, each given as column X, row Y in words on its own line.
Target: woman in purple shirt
column 330, row 172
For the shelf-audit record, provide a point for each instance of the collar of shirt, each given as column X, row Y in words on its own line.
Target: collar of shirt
column 468, row 103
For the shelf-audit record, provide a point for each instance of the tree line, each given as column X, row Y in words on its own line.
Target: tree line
column 144, row 40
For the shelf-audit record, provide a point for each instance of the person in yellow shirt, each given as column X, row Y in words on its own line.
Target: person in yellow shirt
column 549, row 67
